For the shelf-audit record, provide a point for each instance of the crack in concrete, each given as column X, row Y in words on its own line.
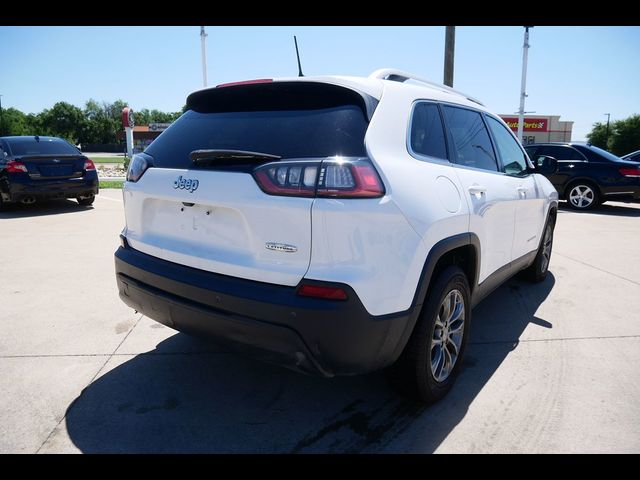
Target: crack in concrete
column 90, row 382
column 598, row 268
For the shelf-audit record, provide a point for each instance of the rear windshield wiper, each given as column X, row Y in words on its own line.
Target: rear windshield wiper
column 218, row 157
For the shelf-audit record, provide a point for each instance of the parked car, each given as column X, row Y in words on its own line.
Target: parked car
column 587, row 175
column 333, row 225
column 34, row 167
column 632, row 157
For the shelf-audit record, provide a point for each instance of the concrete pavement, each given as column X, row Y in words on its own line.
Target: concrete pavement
column 550, row 367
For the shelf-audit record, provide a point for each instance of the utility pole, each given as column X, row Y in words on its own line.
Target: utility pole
column 203, row 40
column 523, row 85
column 606, row 142
column 449, row 50
column 1, row 130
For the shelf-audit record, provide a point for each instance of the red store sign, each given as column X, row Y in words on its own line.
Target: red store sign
column 530, row 124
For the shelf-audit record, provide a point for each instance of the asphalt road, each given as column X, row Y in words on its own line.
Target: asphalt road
column 551, row 367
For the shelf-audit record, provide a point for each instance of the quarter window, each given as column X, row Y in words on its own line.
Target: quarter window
column 427, row 133
column 512, row 156
column 472, row 144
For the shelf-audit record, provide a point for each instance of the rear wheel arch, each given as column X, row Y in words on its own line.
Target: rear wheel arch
column 576, row 181
column 462, row 250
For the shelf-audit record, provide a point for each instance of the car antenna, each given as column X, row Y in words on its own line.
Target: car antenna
column 295, row 40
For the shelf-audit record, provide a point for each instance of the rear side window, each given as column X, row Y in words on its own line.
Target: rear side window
column 427, row 133
column 512, row 156
column 595, row 154
column 560, row 153
column 300, row 121
column 43, row 146
column 472, row 144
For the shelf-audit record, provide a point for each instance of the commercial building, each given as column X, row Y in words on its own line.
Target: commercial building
column 143, row 135
column 541, row 128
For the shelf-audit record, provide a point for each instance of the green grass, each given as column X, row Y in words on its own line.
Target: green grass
column 106, row 159
column 111, row 184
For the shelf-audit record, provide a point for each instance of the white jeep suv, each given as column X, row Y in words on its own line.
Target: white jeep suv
column 333, row 225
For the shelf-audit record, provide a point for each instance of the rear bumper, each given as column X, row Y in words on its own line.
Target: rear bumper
column 270, row 322
column 15, row 190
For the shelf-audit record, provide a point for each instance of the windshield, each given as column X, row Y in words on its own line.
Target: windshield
column 43, row 146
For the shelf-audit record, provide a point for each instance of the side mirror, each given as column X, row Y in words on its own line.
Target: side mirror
column 546, row 165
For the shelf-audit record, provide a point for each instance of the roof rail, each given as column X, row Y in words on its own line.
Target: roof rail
column 402, row 76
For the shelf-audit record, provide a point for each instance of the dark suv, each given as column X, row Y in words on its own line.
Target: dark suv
column 586, row 175
column 33, row 167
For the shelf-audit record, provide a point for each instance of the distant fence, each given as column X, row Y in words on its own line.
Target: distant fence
column 104, row 147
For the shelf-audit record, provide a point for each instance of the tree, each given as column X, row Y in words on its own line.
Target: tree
column 64, row 120
column 627, row 136
column 598, row 135
column 14, row 122
column 98, row 122
column 624, row 135
column 98, row 127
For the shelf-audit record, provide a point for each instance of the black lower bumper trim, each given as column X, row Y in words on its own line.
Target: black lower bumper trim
column 52, row 189
column 268, row 321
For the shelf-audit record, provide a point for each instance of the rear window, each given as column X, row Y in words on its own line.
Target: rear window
column 300, row 121
column 595, row 154
column 43, row 146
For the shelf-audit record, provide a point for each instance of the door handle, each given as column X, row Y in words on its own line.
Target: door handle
column 522, row 191
column 477, row 190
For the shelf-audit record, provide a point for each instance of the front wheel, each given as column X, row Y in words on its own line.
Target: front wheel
column 86, row 200
column 431, row 360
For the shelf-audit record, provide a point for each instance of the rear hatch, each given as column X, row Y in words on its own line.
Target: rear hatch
column 212, row 214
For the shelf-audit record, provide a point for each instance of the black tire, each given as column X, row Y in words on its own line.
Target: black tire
column 412, row 373
column 537, row 271
column 86, row 201
column 583, row 184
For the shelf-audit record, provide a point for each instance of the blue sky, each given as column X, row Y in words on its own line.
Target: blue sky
column 577, row 72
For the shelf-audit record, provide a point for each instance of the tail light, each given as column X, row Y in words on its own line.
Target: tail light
column 334, row 177
column 245, row 82
column 630, row 171
column 138, row 165
column 15, row 167
column 320, row 291
column 88, row 165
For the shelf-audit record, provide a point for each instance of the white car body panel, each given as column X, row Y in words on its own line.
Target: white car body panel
column 229, row 240
column 377, row 246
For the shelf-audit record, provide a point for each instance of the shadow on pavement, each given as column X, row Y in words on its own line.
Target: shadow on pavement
column 169, row 400
column 42, row 207
column 630, row 209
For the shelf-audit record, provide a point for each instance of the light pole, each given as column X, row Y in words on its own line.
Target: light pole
column 203, row 45
column 523, row 84
column 606, row 141
column 1, row 129
column 449, row 51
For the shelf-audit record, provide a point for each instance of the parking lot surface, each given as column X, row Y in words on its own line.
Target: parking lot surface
column 552, row 367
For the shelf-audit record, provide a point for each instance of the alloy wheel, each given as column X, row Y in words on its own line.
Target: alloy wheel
column 581, row 196
column 447, row 335
column 546, row 248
